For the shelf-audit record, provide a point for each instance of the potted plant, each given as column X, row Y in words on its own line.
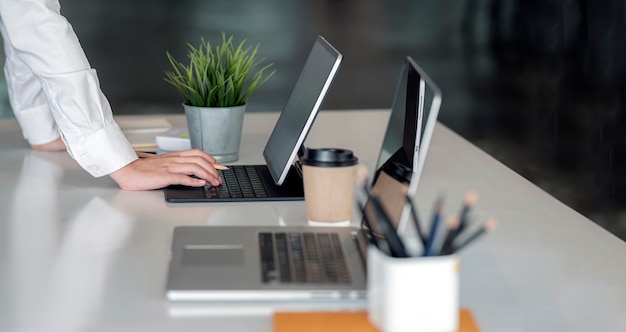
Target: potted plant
column 215, row 83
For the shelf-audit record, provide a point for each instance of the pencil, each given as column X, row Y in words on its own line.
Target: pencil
column 432, row 237
column 452, row 227
column 470, row 200
column 488, row 226
column 220, row 167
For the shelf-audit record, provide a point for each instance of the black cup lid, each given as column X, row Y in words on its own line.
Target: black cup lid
column 328, row 157
column 399, row 172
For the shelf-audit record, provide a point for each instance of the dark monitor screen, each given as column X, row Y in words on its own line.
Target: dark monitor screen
column 301, row 108
column 400, row 137
column 411, row 123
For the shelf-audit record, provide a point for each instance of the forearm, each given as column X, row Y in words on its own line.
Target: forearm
column 43, row 42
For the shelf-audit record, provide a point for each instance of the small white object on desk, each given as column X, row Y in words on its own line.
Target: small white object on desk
column 175, row 139
column 328, row 224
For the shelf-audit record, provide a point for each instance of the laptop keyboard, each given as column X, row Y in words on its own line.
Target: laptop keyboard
column 238, row 181
column 302, row 258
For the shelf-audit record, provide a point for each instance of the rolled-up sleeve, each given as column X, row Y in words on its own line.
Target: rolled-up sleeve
column 86, row 122
column 45, row 42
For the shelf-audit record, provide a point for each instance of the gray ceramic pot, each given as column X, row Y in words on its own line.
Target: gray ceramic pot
column 216, row 130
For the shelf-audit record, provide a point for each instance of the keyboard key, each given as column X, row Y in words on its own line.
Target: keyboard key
column 238, row 182
column 297, row 257
column 313, row 258
column 268, row 264
column 284, row 266
column 302, row 258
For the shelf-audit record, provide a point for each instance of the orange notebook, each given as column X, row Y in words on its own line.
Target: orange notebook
column 353, row 321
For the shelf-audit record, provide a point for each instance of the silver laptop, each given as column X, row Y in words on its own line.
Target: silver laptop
column 280, row 179
column 274, row 263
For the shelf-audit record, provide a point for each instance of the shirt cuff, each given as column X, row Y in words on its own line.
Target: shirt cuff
column 103, row 152
column 37, row 123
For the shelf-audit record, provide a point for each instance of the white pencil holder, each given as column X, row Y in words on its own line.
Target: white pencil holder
column 413, row 294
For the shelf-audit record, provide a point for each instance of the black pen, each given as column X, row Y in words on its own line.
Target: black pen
column 361, row 183
column 395, row 244
column 416, row 221
column 368, row 225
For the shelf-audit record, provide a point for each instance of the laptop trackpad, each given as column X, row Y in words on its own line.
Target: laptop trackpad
column 213, row 255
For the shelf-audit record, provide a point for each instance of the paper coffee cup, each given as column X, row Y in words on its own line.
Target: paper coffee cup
column 329, row 176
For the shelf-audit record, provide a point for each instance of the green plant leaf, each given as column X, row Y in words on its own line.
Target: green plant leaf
column 221, row 75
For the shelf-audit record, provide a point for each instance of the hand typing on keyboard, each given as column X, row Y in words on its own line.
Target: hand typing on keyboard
column 237, row 182
column 162, row 170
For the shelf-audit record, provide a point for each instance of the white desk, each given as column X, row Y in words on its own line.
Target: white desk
column 78, row 254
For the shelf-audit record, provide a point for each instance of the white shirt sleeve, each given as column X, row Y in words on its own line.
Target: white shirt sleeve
column 37, row 36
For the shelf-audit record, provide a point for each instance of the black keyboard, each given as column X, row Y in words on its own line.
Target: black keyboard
column 238, row 181
column 302, row 258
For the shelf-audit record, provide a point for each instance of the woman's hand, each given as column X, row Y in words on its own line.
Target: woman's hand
column 153, row 171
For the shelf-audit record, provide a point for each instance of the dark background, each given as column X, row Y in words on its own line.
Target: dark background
column 540, row 85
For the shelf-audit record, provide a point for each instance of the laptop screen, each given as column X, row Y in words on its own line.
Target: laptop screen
column 301, row 108
column 411, row 123
column 397, row 141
